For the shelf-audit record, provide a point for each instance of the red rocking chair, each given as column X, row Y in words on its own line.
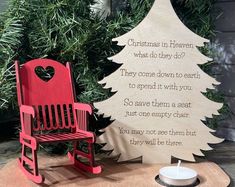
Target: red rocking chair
column 49, row 113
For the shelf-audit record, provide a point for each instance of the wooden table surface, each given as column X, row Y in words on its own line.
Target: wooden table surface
column 224, row 155
column 59, row 172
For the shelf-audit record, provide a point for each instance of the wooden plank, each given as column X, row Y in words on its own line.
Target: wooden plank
column 58, row 171
column 226, row 128
column 226, row 77
column 147, row 79
column 226, row 132
column 228, row 123
column 226, row 69
column 225, row 1
column 3, row 5
column 226, row 21
column 224, row 155
column 231, row 103
column 226, row 46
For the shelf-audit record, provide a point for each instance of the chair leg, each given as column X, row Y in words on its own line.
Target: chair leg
column 72, row 154
column 30, row 166
column 90, row 167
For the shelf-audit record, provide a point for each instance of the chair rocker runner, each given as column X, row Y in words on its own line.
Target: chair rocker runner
column 49, row 113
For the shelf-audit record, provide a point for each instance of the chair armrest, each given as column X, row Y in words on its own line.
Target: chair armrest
column 27, row 110
column 26, row 122
column 28, row 140
column 83, row 107
column 90, row 134
column 82, row 116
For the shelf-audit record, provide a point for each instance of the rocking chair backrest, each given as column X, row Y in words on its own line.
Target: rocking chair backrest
column 52, row 98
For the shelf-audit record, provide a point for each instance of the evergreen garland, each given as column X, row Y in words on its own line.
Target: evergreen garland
column 11, row 36
column 67, row 30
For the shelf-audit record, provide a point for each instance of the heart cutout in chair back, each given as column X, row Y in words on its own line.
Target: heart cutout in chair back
column 45, row 74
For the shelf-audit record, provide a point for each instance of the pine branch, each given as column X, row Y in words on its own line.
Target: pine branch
column 65, row 30
column 11, row 32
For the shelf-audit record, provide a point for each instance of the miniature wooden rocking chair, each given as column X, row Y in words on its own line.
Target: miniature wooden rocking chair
column 49, row 113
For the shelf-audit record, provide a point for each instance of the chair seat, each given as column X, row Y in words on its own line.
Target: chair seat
column 46, row 138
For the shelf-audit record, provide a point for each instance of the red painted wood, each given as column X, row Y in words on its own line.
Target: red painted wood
column 47, row 105
column 44, row 119
column 38, row 92
column 50, row 117
column 57, row 117
column 46, row 138
column 62, row 116
column 36, row 126
column 82, row 119
column 18, row 83
column 25, row 115
column 36, row 178
column 85, row 167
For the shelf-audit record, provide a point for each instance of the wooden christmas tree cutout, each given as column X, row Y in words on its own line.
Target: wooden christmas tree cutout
column 159, row 106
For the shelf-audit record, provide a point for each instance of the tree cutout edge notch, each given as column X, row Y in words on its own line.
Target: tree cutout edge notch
column 159, row 106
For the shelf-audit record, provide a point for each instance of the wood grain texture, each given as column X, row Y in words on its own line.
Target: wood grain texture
column 59, row 173
column 227, row 75
column 227, row 131
column 225, row 37
column 3, row 5
column 224, row 155
column 226, row 20
column 46, row 101
column 155, row 117
column 226, row 44
column 226, row 128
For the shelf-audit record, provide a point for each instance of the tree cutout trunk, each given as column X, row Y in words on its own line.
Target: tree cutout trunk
column 159, row 106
